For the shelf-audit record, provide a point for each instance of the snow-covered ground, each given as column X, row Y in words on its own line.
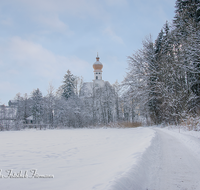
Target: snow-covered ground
column 79, row 159
column 191, row 139
column 148, row 158
column 178, row 163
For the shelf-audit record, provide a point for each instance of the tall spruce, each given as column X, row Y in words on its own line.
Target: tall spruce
column 187, row 26
column 154, row 60
column 68, row 86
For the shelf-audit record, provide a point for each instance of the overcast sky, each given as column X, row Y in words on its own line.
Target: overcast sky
column 41, row 39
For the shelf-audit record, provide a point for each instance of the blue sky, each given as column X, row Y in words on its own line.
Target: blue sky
column 41, row 39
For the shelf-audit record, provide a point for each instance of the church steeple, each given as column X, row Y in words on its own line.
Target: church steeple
column 97, row 58
column 97, row 69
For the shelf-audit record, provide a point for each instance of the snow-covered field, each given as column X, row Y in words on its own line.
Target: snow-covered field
column 78, row 159
column 148, row 158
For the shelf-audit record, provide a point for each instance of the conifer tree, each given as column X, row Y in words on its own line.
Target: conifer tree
column 187, row 12
column 154, row 61
column 68, row 86
column 187, row 26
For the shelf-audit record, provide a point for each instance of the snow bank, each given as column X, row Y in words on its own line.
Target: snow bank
column 86, row 159
column 140, row 174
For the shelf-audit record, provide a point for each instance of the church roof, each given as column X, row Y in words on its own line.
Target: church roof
column 97, row 65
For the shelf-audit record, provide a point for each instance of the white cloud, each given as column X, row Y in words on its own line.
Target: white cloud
column 54, row 23
column 39, row 61
column 108, row 31
column 26, row 65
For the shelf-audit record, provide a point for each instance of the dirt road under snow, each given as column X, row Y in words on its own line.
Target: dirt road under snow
column 178, row 168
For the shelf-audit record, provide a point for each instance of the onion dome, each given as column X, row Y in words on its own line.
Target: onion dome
column 97, row 65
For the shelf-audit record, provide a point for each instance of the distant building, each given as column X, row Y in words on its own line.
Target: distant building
column 29, row 120
column 87, row 88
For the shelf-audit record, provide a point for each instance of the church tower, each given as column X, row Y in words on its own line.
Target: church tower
column 97, row 69
column 88, row 87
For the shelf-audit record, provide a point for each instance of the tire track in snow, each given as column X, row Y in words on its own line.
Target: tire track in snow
column 178, row 168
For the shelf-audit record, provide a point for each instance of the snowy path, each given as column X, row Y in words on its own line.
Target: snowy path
column 178, row 168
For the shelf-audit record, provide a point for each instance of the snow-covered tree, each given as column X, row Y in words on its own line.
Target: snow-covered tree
column 68, row 87
column 117, row 88
column 37, row 106
column 49, row 106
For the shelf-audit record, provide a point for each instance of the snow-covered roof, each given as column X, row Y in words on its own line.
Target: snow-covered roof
column 29, row 118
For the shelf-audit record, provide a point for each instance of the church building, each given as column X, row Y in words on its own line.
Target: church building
column 88, row 87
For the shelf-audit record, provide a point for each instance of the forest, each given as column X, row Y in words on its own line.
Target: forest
column 162, row 86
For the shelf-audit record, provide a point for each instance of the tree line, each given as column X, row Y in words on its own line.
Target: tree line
column 164, row 76
column 69, row 106
column 162, row 85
